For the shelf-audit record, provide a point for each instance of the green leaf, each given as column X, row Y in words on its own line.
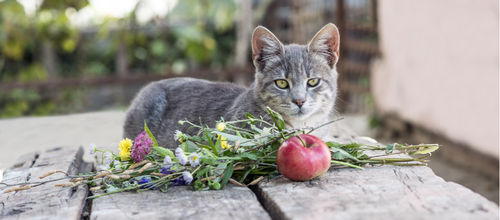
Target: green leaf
column 217, row 145
column 339, row 154
column 227, row 174
column 197, row 138
column 209, row 160
column 278, row 120
column 127, row 184
column 333, row 144
column 255, row 128
column 164, row 188
column 202, row 172
column 390, row 148
column 247, row 155
column 111, row 188
column 209, row 152
column 219, row 169
column 210, row 142
column 426, row 149
column 192, row 147
column 249, row 116
column 150, row 134
column 184, row 146
column 164, row 152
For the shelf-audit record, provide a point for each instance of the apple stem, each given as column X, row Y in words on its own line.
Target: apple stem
column 302, row 140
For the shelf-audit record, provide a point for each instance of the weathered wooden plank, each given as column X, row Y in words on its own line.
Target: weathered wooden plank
column 180, row 202
column 387, row 192
column 45, row 201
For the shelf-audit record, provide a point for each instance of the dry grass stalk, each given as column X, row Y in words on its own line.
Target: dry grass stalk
column 18, row 188
column 51, row 172
column 48, row 174
column 126, row 176
column 145, row 167
column 77, row 183
column 115, row 177
column 127, row 171
column 210, row 178
column 64, row 184
column 239, row 168
column 95, row 188
column 256, row 181
column 235, row 182
column 237, row 144
column 102, row 174
column 158, row 174
column 77, row 179
column 138, row 164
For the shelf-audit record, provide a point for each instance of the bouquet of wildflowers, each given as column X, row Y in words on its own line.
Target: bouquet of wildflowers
column 242, row 152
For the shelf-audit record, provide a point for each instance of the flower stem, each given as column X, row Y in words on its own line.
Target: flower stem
column 346, row 164
column 301, row 140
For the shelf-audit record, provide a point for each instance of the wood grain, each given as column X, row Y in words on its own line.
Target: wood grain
column 387, row 192
column 44, row 201
column 180, row 202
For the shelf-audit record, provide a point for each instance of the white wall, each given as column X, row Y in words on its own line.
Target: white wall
column 439, row 67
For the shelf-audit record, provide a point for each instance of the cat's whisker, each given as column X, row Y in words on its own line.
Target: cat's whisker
column 328, row 110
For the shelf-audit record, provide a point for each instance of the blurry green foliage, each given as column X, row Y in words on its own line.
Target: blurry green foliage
column 195, row 34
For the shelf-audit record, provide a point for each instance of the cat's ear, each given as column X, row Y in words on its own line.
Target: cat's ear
column 266, row 48
column 326, row 44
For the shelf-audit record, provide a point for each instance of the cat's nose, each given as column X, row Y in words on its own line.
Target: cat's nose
column 299, row 102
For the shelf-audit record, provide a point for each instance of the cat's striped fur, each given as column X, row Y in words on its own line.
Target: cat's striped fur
column 162, row 104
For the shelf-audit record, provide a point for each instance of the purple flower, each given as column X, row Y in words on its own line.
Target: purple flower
column 166, row 171
column 147, row 186
column 142, row 147
column 177, row 182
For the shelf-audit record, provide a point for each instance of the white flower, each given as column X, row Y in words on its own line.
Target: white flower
column 102, row 168
column 117, row 164
column 194, row 159
column 178, row 151
column 93, row 148
column 178, row 136
column 240, row 150
column 167, row 162
column 107, row 156
column 182, row 159
column 187, row 177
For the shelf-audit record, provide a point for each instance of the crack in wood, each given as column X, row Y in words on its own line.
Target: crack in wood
column 267, row 203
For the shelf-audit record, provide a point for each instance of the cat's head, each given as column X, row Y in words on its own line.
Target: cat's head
column 296, row 80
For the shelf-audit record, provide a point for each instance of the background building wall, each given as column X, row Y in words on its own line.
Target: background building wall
column 438, row 68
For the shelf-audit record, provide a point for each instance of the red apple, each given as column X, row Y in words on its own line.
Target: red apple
column 301, row 163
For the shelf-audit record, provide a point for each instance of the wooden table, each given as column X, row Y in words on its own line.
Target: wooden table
column 387, row 192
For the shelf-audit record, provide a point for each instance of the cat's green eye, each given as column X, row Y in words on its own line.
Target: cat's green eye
column 282, row 83
column 313, row 82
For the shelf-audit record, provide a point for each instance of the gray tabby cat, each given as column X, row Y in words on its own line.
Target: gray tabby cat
column 297, row 81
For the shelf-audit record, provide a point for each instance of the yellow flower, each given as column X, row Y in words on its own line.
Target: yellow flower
column 125, row 147
column 224, row 143
column 221, row 126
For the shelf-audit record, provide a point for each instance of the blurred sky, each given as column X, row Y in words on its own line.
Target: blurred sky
column 98, row 9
